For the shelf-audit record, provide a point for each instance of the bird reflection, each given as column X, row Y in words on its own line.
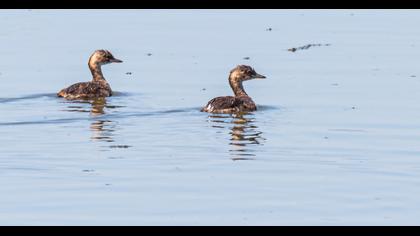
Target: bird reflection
column 102, row 129
column 244, row 134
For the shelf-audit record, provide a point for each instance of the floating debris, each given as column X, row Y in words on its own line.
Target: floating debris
column 307, row 46
column 128, row 73
column 269, row 29
column 241, row 159
column 203, row 89
column 412, row 76
column 119, row 146
column 246, row 58
column 353, row 108
column 149, row 54
column 88, row 170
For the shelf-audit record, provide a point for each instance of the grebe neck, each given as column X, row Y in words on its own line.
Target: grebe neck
column 96, row 71
column 237, row 87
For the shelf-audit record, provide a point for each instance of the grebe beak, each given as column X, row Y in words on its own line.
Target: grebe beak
column 258, row 76
column 115, row 60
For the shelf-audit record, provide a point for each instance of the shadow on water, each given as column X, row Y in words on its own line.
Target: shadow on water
column 244, row 134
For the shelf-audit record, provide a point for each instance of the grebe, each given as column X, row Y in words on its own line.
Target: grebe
column 241, row 102
column 98, row 87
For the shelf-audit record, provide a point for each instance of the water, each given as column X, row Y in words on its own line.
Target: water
column 335, row 140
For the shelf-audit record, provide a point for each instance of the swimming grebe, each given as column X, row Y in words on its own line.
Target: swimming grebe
column 98, row 87
column 241, row 102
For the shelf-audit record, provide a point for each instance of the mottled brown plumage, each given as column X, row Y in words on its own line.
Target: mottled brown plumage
column 241, row 102
column 98, row 87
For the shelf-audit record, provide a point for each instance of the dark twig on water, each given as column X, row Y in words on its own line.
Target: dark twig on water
column 307, row 46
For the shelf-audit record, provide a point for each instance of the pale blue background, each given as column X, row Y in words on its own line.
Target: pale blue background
column 309, row 157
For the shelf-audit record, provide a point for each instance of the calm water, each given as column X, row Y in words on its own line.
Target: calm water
column 336, row 139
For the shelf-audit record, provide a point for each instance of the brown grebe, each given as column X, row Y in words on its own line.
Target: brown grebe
column 241, row 102
column 98, row 87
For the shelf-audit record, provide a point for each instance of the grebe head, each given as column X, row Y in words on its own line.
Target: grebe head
column 243, row 73
column 102, row 57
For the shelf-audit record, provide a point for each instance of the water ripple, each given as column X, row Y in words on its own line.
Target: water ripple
column 28, row 97
column 54, row 95
column 120, row 115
